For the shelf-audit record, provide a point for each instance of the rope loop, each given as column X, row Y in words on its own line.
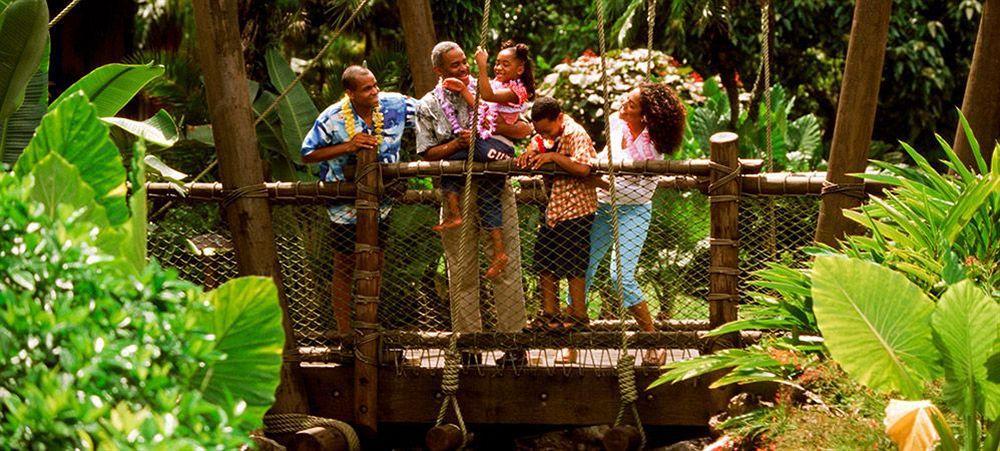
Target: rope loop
column 449, row 387
column 287, row 423
column 854, row 190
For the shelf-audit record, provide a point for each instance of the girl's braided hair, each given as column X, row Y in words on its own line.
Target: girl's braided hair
column 664, row 114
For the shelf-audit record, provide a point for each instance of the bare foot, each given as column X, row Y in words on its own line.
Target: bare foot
column 567, row 356
column 654, row 357
column 499, row 263
column 448, row 224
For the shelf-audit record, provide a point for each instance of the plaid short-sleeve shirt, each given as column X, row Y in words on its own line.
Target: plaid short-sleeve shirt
column 572, row 197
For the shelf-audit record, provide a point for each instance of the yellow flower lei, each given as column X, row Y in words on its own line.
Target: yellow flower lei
column 350, row 125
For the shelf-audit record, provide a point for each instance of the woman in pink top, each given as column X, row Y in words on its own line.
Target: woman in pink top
column 649, row 124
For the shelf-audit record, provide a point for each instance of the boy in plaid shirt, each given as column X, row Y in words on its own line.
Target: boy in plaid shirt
column 563, row 245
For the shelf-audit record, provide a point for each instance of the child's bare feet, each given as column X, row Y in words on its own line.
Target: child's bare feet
column 499, row 263
column 566, row 356
column 447, row 224
column 654, row 357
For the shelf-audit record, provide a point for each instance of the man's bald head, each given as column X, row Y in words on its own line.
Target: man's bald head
column 353, row 75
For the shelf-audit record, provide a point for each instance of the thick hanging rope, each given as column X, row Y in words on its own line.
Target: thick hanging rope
column 449, row 387
column 765, row 41
column 63, row 13
column 281, row 96
column 625, row 369
column 449, row 377
column 650, row 23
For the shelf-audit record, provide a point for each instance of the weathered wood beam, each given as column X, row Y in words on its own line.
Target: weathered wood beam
column 493, row 396
column 855, row 117
column 724, row 194
column 221, row 59
column 663, row 167
column 367, row 285
column 981, row 104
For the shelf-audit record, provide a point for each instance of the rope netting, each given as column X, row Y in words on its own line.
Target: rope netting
column 420, row 304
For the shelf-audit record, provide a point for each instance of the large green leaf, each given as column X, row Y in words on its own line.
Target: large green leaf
column 57, row 185
column 246, row 323
column 74, row 131
column 112, row 86
column 17, row 130
column 133, row 248
column 23, row 34
column 966, row 324
column 876, row 324
column 160, row 129
column 296, row 110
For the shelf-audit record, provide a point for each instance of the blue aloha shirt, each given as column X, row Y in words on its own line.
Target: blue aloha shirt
column 398, row 112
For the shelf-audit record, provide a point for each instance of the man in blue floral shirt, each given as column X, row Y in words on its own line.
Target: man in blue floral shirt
column 365, row 119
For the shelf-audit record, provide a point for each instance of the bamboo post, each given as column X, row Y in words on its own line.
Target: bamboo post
column 981, row 104
column 418, row 29
column 855, row 121
column 724, row 195
column 249, row 218
column 368, row 277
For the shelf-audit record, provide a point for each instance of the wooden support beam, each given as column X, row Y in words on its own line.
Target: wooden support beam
column 319, row 439
column 981, row 105
column 493, row 396
column 622, row 438
column 446, row 437
column 418, row 31
column 221, row 59
column 724, row 195
column 319, row 193
column 368, row 280
column 855, row 121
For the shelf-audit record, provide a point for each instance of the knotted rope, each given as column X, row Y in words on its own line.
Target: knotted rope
column 287, row 423
column 453, row 361
column 449, row 387
column 625, row 369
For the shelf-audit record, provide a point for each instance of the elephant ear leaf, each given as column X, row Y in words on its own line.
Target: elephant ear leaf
column 875, row 323
column 246, row 323
column 23, row 36
column 966, row 324
column 74, row 131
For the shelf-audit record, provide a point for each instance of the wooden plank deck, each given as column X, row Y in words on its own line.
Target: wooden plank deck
column 489, row 395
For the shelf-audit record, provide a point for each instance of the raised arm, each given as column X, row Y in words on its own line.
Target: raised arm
column 486, row 91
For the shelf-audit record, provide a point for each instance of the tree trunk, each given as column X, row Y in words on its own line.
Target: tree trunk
column 418, row 28
column 855, row 118
column 221, row 58
column 981, row 105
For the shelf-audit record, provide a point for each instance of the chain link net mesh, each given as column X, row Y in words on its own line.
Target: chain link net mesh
column 416, row 308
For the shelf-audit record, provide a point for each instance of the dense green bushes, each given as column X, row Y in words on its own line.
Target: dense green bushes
column 102, row 349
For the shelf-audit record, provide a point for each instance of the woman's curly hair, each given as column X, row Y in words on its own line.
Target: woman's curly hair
column 664, row 114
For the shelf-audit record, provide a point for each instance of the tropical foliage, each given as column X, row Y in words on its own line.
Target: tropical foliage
column 898, row 309
column 107, row 350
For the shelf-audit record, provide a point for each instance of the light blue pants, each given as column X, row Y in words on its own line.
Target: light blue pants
column 633, row 225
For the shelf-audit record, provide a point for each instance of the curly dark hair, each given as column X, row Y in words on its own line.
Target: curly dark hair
column 664, row 114
column 521, row 53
